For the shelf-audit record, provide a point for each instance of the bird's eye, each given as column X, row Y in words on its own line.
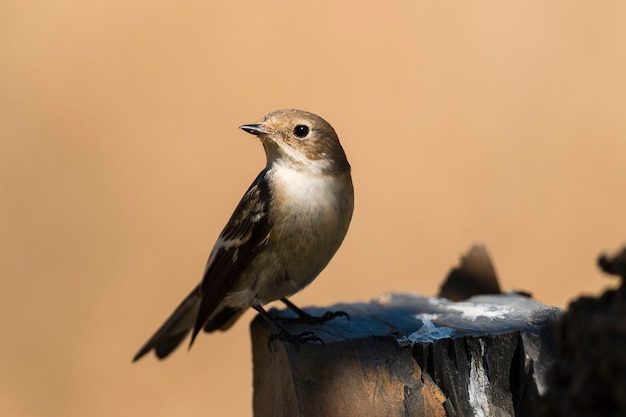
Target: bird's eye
column 301, row 131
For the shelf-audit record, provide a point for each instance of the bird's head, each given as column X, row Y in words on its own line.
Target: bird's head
column 300, row 140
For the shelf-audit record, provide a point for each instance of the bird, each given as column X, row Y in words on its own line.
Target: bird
column 288, row 225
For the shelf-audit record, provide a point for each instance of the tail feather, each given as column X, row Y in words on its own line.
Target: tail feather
column 167, row 346
column 175, row 328
column 223, row 318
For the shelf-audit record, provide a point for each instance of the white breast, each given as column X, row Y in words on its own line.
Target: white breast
column 302, row 190
column 311, row 214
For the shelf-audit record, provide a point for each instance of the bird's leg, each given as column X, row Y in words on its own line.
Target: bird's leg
column 283, row 334
column 306, row 318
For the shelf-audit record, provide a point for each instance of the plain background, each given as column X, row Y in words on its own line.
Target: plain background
column 120, row 162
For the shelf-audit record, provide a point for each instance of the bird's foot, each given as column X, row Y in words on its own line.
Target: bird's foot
column 295, row 339
column 306, row 318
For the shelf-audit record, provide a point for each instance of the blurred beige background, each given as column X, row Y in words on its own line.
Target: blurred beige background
column 120, row 162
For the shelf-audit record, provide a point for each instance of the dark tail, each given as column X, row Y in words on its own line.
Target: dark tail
column 175, row 328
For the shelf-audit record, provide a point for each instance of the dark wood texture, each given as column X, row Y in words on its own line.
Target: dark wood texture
column 475, row 275
column 405, row 355
column 589, row 376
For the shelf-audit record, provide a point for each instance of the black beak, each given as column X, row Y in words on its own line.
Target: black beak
column 255, row 129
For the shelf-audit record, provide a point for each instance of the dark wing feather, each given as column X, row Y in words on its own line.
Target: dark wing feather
column 238, row 244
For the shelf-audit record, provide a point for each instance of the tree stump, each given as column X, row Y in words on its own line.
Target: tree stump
column 406, row 355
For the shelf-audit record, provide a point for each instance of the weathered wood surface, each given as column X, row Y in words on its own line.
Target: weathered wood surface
column 406, row 355
column 589, row 376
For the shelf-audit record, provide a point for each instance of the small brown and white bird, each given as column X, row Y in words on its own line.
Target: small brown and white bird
column 283, row 233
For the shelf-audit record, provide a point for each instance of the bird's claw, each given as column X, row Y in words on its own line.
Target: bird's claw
column 329, row 315
column 310, row 319
column 296, row 339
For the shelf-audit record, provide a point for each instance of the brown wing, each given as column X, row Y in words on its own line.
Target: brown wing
column 239, row 242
